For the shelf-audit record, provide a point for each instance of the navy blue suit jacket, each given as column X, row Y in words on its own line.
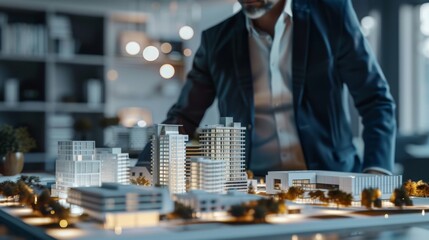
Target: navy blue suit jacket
column 329, row 53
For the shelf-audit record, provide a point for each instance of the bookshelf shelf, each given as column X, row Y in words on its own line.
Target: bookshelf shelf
column 23, row 107
column 80, row 60
column 55, row 61
column 52, row 65
column 22, row 58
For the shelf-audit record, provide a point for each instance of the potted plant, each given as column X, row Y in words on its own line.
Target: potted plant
column 14, row 142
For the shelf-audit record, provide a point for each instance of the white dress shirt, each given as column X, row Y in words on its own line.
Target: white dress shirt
column 275, row 142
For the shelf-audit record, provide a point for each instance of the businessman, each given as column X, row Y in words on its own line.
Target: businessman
column 280, row 67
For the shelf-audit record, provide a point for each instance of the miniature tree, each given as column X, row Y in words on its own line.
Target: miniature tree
column 378, row 203
column 250, row 174
column 400, row 198
column 238, row 211
column 346, row 199
column 251, row 189
column 141, row 180
column 423, row 190
column 259, row 214
column 371, row 197
column 8, row 189
column 25, row 193
column 292, row 194
column 340, row 198
column 318, row 194
column 30, row 180
column 182, row 211
column 43, row 202
column 410, row 187
column 270, row 204
column 58, row 211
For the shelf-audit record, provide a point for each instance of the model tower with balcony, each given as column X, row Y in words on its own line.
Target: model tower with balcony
column 168, row 158
column 115, row 165
column 226, row 142
column 76, row 166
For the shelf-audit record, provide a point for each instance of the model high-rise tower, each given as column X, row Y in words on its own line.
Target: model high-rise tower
column 168, row 158
column 76, row 166
column 115, row 165
column 227, row 142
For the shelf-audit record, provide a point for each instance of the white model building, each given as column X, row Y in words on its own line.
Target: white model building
column 207, row 174
column 205, row 202
column 140, row 171
column 115, row 165
column 226, row 142
column 352, row 183
column 123, row 206
column 76, row 166
column 168, row 158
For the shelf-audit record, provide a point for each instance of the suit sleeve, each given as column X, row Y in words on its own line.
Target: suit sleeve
column 197, row 95
column 358, row 68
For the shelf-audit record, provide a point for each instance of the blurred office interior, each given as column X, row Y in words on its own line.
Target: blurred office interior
column 105, row 70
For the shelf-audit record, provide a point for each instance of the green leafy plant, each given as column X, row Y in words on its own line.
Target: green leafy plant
column 15, row 140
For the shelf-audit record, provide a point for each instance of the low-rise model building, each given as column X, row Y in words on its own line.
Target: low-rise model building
column 123, row 206
column 205, row 202
column 353, row 183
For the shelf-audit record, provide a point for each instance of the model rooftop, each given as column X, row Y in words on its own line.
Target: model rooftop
column 330, row 173
column 115, row 189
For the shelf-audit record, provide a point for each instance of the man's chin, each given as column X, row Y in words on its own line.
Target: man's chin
column 254, row 13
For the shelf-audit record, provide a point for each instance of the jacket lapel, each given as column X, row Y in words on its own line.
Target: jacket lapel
column 241, row 61
column 301, row 32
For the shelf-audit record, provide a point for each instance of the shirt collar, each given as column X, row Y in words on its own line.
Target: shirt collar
column 287, row 9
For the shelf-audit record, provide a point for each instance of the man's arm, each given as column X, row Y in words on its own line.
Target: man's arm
column 358, row 68
column 196, row 96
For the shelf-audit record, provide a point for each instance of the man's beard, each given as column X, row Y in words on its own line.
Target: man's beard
column 258, row 8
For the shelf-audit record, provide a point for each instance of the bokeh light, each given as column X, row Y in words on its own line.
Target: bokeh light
column 150, row 53
column 112, row 75
column 167, row 71
column 187, row 52
column 166, row 47
column 186, row 32
column 132, row 48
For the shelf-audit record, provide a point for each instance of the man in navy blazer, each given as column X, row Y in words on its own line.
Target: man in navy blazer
column 328, row 54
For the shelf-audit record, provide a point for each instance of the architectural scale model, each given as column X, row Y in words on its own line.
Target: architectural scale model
column 76, row 166
column 168, row 158
column 226, row 142
column 123, row 206
column 115, row 165
column 353, row 183
column 207, row 174
column 205, row 202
